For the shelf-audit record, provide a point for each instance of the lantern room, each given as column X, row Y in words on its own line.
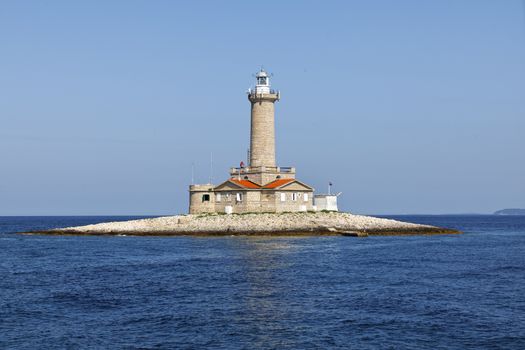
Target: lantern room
column 263, row 83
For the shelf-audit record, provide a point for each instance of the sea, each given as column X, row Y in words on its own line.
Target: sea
column 383, row 292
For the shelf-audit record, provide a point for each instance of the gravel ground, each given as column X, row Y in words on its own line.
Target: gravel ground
column 253, row 224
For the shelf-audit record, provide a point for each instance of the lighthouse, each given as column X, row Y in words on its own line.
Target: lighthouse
column 262, row 135
column 262, row 166
column 261, row 185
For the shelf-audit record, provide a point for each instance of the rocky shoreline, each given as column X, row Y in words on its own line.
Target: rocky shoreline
column 254, row 224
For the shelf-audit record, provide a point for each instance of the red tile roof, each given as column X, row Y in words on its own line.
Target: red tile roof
column 245, row 183
column 252, row 185
column 278, row 183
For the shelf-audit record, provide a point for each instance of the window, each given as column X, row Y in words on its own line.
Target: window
column 262, row 80
column 239, row 197
column 218, row 197
column 206, row 197
column 305, row 197
column 294, row 196
column 283, row 197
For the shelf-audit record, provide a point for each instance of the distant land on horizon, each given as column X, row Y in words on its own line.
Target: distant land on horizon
column 510, row 212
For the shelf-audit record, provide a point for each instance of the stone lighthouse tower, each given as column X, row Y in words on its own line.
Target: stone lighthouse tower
column 262, row 135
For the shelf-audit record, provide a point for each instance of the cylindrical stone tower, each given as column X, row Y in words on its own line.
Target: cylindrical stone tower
column 262, row 136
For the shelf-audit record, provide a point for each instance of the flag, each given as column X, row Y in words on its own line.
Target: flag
column 242, row 164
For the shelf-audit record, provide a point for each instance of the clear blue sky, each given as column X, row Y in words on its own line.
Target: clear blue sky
column 406, row 106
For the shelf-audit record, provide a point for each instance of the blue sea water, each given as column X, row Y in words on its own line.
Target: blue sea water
column 416, row 292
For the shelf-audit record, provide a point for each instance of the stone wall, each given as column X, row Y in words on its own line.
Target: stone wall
column 291, row 205
column 198, row 202
column 252, row 201
column 262, row 137
column 241, row 201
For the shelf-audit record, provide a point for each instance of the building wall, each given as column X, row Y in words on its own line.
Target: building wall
column 251, row 201
column 326, row 202
column 227, row 198
column 231, row 199
column 290, row 205
column 267, row 204
column 197, row 202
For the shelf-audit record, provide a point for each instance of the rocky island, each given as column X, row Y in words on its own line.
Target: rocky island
column 258, row 198
column 255, row 224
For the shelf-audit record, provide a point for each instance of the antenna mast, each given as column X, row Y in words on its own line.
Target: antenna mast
column 193, row 173
column 211, row 167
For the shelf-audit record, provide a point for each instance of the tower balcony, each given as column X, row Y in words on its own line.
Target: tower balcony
column 263, row 175
column 269, row 169
column 270, row 95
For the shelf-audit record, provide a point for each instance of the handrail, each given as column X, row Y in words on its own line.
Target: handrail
column 282, row 169
column 272, row 92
